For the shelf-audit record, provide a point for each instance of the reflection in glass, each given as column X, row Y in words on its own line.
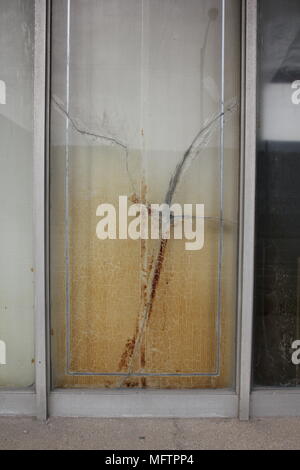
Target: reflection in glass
column 16, row 167
column 277, row 272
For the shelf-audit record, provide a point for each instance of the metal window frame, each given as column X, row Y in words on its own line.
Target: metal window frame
column 40, row 205
column 248, row 208
column 264, row 402
column 34, row 401
column 144, row 403
column 41, row 401
column 154, row 403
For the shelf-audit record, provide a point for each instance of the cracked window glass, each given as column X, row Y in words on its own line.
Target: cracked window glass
column 144, row 177
column 16, row 169
column 277, row 267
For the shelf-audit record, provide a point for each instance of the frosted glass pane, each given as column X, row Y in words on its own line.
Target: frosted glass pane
column 16, row 259
column 135, row 86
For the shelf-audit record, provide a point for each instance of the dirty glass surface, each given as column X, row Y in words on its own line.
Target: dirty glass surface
column 144, row 104
column 277, row 271
column 16, row 168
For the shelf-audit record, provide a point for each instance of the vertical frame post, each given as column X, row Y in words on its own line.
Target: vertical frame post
column 248, row 211
column 39, row 183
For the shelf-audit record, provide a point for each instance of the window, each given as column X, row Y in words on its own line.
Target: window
column 145, row 100
column 16, row 194
column 277, row 294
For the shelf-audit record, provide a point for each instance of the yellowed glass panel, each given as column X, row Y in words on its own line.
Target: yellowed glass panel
column 140, row 109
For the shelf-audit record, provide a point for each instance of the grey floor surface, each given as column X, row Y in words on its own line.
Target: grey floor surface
column 156, row 434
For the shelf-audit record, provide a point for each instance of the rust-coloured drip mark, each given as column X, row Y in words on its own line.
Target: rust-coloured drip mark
column 151, row 263
column 134, row 198
column 133, row 343
column 156, row 275
column 143, row 356
column 128, row 351
column 131, row 384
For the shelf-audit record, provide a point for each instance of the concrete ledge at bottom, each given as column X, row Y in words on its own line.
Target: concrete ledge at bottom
column 164, row 404
column 275, row 403
column 17, row 403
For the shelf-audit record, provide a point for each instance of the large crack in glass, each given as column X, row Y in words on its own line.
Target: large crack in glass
column 128, row 119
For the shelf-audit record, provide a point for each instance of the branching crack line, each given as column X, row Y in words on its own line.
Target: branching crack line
column 108, row 140
column 199, row 143
column 201, row 140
